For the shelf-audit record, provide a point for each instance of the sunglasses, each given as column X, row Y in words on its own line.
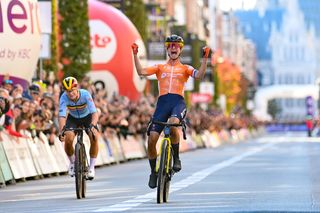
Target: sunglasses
column 173, row 44
column 7, row 81
column 35, row 93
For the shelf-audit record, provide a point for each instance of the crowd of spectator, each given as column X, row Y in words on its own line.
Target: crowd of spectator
column 36, row 109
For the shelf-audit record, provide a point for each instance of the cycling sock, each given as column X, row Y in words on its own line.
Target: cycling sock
column 152, row 163
column 71, row 158
column 175, row 148
column 92, row 162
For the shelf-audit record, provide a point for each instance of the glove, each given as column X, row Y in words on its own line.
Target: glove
column 134, row 47
column 205, row 51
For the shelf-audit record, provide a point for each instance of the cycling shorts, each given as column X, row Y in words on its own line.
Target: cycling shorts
column 73, row 122
column 169, row 105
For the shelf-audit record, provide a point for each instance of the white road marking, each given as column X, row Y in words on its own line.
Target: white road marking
column 196, row 177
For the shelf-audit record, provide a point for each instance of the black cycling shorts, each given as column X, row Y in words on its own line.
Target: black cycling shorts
column 73, row 122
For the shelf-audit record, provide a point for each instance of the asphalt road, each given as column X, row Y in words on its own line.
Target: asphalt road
column 275, row 173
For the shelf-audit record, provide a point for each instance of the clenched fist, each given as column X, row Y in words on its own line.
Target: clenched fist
column 206, row 51
column 134, row 47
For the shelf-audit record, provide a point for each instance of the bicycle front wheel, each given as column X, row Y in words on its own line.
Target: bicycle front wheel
column 162, row 172
column 78, row 169
column 84, row 171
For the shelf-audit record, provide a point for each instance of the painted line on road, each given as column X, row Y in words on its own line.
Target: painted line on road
column 196, row 177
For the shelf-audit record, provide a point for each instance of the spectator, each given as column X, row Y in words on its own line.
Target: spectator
column 7, row 84
column 34, row 90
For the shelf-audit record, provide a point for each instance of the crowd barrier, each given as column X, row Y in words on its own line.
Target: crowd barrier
column 25, row 158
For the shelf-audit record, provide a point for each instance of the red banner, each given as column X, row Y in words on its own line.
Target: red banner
column 200, row 98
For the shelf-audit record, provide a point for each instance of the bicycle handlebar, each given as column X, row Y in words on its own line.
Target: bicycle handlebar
column 74, row 129
column 182, row 124
column 166, row 123
column 78, row 129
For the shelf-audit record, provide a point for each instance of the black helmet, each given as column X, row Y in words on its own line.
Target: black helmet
column 34, row 87
column 174, row 38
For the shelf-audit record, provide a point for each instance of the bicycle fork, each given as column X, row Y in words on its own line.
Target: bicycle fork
column 169, row 171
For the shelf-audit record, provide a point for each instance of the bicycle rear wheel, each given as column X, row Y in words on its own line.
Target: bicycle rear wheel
column 162, row 172
column 78, row 169
column 167, row 176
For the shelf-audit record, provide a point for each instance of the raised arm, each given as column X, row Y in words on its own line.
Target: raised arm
column 140, row 70
column 202, row 70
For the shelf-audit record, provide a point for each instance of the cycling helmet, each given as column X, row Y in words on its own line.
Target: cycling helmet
column 69, row 82
column 174, row 38
column 34, row 87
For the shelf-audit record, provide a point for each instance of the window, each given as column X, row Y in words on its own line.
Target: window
column 300, row 79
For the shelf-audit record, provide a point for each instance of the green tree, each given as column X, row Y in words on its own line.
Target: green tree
column 52, row 63
column 75, row 37
column 273, row 108
column 196, row 54
column 135, row 10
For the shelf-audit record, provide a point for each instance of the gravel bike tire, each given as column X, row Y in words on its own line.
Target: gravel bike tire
column 84, row 172
column 167, row 176
column 162, row 172
column 78, row 170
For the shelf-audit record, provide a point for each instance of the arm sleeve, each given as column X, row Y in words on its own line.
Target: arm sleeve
column 191, row 71
column 62, row 106
column 91, row 106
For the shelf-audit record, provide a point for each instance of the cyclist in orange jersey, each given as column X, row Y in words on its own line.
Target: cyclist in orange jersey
column 171, row 106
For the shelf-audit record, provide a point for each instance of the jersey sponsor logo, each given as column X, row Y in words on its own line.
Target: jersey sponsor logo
column 177, row 75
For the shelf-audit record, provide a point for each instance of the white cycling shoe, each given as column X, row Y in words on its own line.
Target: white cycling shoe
column 91, row 174
column 71, row 170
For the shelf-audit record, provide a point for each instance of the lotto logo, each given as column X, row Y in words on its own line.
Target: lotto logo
column 103, row 42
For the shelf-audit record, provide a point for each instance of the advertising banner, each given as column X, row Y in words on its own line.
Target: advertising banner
column 19, row 38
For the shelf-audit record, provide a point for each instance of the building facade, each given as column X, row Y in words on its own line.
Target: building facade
column 287, row 40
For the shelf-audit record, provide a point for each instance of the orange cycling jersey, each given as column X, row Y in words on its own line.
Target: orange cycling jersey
column 172, row 77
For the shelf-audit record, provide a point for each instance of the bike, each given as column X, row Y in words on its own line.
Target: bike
column 81, row 164
column 165, row 160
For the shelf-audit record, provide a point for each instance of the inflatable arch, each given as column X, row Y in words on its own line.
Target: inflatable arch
column 263, row 95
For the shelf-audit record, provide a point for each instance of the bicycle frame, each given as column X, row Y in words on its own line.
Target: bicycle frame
column 80, row 142
column 164, row 163
column 81, row 162
column 166, row 137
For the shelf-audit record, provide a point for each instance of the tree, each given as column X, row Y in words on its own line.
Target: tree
column 273, row 108
column 52, row 63
column 229, row 76
column 135, row 10
column 216, row 83
column 243, row 95
column 75, row 37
